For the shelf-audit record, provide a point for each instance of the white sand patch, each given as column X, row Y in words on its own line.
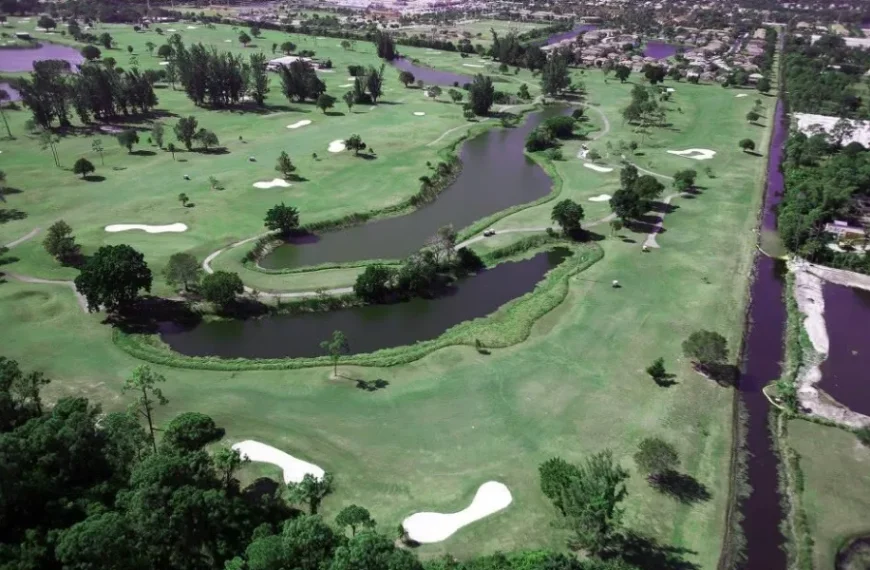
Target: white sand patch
column 739, row 95
column 347, row 85
column 670, row 89
column 173, row 228
column 275, row 182
column 298, row 124
column 164, row 63
column 351, row 78
column 191, row 27
column 429, row 527
column 695, row 153
column 810, row 124
column 600, row 198
column 336, row 146
column 111, row 130
column 473, row 65
column 228, row 41
column 597, row 168
column 419, row 113
column 294, row 469
column 171, row 30
column 319, row 70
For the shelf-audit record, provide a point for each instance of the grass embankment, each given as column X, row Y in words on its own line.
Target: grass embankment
column 453, row 419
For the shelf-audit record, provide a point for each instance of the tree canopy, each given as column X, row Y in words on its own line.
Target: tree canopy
column 113, row 277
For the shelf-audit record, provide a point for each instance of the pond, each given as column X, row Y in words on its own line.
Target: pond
column 659, row 50
column 22, row 59
column 368, row 328
column 495, row 175
column 432, row 76
column 844, row 371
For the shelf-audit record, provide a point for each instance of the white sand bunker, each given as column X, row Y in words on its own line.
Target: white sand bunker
column 294, row 469
column 739, row 95
column 670, row 89
column 419, row 113
column 346, row 85
column 175, row 228
column 695, row 153
column 171, row 30
column 228, row 41
column 597, row 168
column 336, row 146
column 191, row 27
column 164, row 63
column 600, row 198
column 275, row 182
column 473, row 65
column 298, row 124
column 426, row 528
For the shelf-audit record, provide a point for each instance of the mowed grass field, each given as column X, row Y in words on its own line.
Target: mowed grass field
column 836, row 471
column 454, row 419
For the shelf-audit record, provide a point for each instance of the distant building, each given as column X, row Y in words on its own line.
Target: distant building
column 844, row 232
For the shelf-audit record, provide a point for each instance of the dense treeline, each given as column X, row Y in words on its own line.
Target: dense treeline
column 822, row 77
column 98, row 91
column 83, row 490
column 823, row 182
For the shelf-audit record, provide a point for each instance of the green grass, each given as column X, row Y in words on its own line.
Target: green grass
column 454, row 418
column 836, row 493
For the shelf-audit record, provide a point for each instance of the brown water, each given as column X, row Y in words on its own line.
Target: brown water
column 495, row 175
column 368, row 328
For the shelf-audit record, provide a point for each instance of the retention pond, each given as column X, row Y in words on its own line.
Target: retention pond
column 844, row 371
column 368, row 328
column 495, row 175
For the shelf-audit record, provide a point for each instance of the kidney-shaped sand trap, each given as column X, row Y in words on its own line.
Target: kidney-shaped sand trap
column 294, row 469
column 298, row 124
column 741, row 95
column 419, row 113
column 426, row 528
column 275, row 182
column 600, row 198
column 597, row 168
column 177, row 227
column 695, row 153
column 336, row 146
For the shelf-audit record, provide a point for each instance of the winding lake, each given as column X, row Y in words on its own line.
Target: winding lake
column 495, row 175
column 368, row 328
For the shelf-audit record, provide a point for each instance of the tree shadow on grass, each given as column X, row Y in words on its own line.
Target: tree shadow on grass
column 662, row 207
column 94, row 178
column 11, row 214
column 143, row 153
column 371, row 385
column 666, row 381
column 681, row 486
column 334, row 114
column 147, row 315
column 646, row 553
column 8, row 191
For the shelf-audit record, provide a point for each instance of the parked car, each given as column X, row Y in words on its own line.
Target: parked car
column 489, row 232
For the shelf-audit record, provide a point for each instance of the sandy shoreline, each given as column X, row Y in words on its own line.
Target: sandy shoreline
column 809, row 280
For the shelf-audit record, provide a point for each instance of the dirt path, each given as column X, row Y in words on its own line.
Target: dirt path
column 23, row 239
column 206, row 263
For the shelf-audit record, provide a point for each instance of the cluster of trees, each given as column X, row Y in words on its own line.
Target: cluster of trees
column 823, row 181
column 481, row 95
column 385, row 46
column 632, row 199
column 644, row 109
column 554, row 75
column 87, row 490
column 546, row 135
column 423, row 274
column 824, row 77
column 299, row 81
column 218, row 79
column 368, row 86
column 98, row 91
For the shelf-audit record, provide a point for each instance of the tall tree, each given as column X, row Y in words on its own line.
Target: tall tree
column 282, row 218
column 182, row 269
column 554, row 75
column 83, row 167
column 60, row 243
column 655, row 457
column 375, row 82
column 385, row 46
column 113, row 277
column 353, row 516
column 222, row 287
column 481, row 94
column 259, row 79
column 311, row 490
column 143, row 384
column 407, row 78
column 285, row 166
column 4, row 97
column 335, row 346
column 185, row 130
column 568, row 214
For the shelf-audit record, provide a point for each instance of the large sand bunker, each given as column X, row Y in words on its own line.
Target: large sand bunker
column 298, row 124
column 428, row 527
column 600, row 198
column 739, row 95
column 597, row 168
column 294, row 469
column 419, row 113
column 695, row 153
column 336, row 146
column 473, row 65
column 177, row 227
column 275, row 182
